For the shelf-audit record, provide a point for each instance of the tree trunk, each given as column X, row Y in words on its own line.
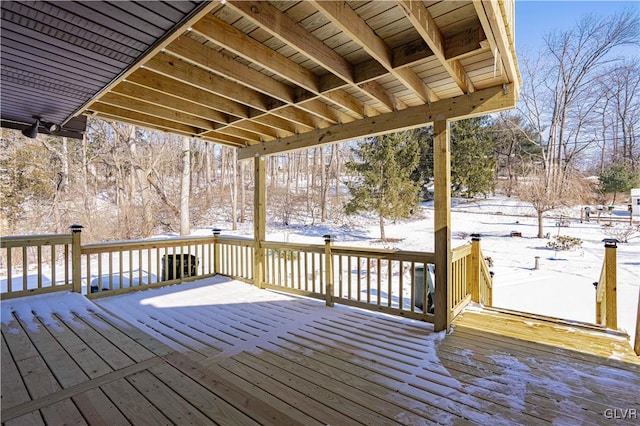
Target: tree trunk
column 382, row 236
column 540, row 225
column 185, row 188
column 234, row 190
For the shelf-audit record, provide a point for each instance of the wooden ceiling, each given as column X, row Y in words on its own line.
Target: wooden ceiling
column 270, row 76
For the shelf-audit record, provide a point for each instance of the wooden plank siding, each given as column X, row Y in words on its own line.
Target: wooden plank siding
column 249, row 356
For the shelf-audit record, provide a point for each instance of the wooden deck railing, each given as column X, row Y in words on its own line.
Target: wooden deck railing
column 116, row 267
column 35, row 264
column 378, row 279
column 606, row 295
column 234, row 258
column 392, row 281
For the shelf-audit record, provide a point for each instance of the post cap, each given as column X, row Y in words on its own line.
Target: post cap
column 611, row 242
column 475, row 237
column 327, row 238
column 76, row 228
column 216, row 231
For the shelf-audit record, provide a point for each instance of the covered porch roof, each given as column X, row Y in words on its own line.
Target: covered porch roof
column 262, row 76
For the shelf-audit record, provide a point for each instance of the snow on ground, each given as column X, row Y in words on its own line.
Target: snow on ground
column 562, row 287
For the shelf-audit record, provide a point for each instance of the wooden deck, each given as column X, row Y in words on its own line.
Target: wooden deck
column 216, row 352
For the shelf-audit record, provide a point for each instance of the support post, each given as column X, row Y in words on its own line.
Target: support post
column 216, row 251
column 611, row 293
column 474, row 279
column 328, row 269
column 636, row 345
column 442, row 222
column 76, row 258
column 259, row 219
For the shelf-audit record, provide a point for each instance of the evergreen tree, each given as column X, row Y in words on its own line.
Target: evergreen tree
column 384, row 165
column 618, row 178
column 472, row 158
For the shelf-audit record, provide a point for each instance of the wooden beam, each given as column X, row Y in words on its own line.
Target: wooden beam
column 153, row 110
column 426, row 26
column 234, row 40
column 162, row 84
column 177, row 69
column 489, row 10
column 143, row 120
column 442, row 222
column 259, row 219
column 481, row 102
column 134, row 91
column 201, row 55
column 465, row 43
column 356, row 28
column 280, row 25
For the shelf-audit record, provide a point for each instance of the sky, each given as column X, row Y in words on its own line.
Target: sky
column 535, row 18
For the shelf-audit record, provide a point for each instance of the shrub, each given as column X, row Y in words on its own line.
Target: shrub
column 565, row 243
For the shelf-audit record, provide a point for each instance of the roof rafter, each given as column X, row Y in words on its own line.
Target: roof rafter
column 283, row 27
column 350, row 23
column 426, row 26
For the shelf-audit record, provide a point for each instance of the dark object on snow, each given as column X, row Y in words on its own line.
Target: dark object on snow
column 186, row 265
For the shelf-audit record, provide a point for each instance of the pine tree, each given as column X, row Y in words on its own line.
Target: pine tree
column 472, row 158
column 383, row 167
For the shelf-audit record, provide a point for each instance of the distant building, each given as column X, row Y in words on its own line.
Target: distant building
column 635, row 202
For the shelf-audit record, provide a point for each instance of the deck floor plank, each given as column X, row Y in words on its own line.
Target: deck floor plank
column 62, row 413
column 111, row 354
column 270, row 359
column 35, row 373
column 346, row 382
column 133, row 405
column 98, row 409
column 14, row 392
column 271, row 384
column 243, row 395
column 581, row 381
column 132, row 349
column 314, row 390
column 200, row 397
column 440, row 389
column 60, row 363
column 163, row 397
column 83, row 354
column 30, row 419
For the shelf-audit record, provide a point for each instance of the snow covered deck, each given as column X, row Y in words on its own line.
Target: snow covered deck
column 221, row 351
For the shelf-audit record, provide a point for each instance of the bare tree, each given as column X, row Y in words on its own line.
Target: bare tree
column 560, row 92
column 185, row 189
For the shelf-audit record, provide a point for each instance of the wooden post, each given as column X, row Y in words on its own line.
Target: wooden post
column 636, row 345
column 76, row 258
column 328, row 269
column 610, row 291
column 216, row 251
column 259, row 219
column 474, row 278
column 442, row 222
